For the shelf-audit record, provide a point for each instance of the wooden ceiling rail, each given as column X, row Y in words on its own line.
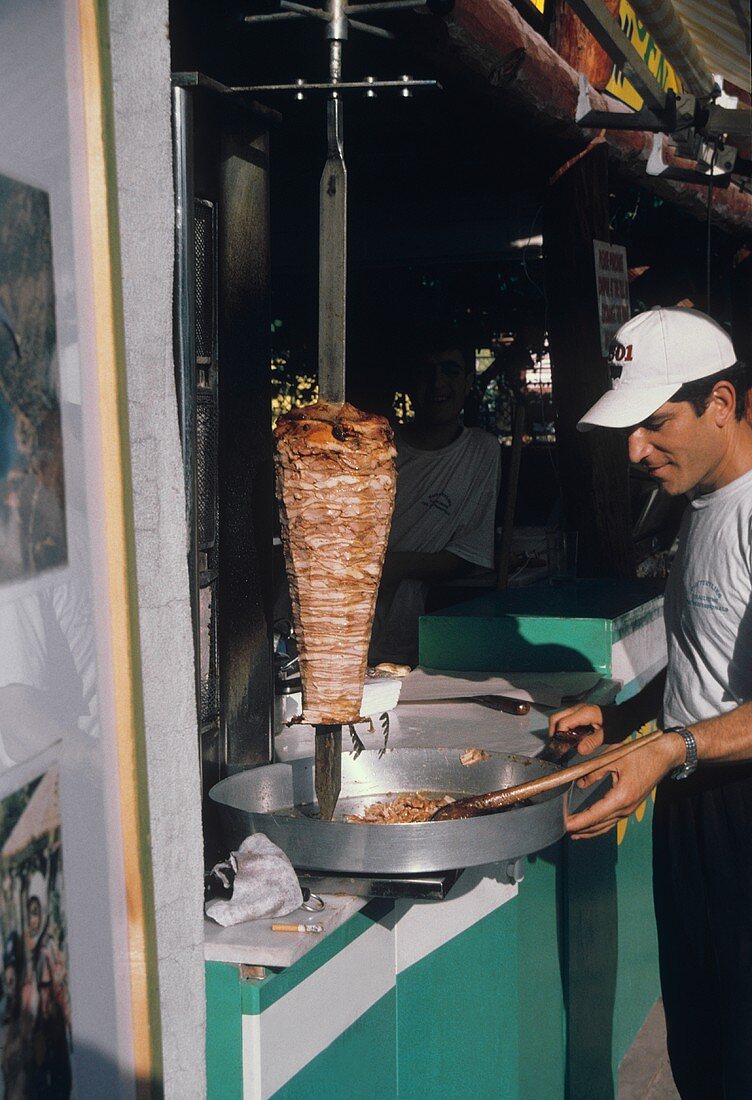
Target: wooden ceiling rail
column 480, row 35
column 574, row 43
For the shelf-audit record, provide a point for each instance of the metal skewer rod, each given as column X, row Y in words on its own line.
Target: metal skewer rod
column 305, row 9
column 333, row 227
column 332, row 328
column 345, row 85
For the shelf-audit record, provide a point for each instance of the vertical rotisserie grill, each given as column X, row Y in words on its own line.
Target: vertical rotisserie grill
column 336, row 484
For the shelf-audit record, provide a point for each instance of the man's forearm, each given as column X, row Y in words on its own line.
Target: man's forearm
column 403, row 565
column 726, row 739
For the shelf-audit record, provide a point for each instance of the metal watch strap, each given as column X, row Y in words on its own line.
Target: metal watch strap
column 690, row 760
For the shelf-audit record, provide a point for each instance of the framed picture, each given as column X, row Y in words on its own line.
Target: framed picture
column 35, row 1048
column 32, row 492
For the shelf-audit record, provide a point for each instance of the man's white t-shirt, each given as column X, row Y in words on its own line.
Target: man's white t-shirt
column 446, row 500
column 708, row 607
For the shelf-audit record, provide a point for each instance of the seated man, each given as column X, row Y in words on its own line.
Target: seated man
column 447, row 485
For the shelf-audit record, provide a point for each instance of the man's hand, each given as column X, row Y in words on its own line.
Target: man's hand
column 584, row 714
column 633, row 779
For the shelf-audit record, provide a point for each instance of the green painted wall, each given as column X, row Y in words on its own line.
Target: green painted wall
column 256, row 996
column 360, row 1065
column 637, row 985
column 543, row 628
column 541, row 963
column 224, row 1022
column 457, row 1015
column 539, row 1000
column 612, row 964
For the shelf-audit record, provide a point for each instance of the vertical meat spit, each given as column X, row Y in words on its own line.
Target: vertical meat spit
column 332, row 332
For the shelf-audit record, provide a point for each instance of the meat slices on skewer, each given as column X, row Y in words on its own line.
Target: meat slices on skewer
column 336, row 483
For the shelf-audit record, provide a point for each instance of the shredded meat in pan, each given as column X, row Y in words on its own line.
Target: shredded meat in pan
column 405, row 809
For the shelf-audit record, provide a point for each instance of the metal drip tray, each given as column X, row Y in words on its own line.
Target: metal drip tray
column 279, row 800
column 433, row 886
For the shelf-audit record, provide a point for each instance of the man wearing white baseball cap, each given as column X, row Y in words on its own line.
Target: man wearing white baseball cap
column 679, row 395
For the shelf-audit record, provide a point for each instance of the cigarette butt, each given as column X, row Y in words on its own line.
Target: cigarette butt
column 297, row 928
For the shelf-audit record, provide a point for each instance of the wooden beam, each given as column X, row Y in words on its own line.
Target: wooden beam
column 575, row 44
column 96, row 91
column 481, row 38
column 608, row 33
column 593, row 466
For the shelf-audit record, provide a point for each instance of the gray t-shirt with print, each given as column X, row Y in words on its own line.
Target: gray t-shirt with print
column 708, row 607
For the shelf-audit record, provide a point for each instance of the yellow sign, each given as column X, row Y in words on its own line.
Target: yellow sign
column 643, row 41
column 539, row 4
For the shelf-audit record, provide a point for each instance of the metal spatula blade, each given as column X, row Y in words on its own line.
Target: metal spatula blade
column 328, row 769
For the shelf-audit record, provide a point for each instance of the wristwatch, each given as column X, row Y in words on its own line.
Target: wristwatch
column 690, row 759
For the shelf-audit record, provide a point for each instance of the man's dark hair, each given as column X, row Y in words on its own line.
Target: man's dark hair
column 439, row 334
column 699, row 391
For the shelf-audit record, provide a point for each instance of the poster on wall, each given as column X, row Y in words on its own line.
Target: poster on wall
column 35, row 1033
column 612, row 282
column 32, row 504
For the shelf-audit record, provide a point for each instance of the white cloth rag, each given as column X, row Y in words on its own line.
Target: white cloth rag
column 265, row 884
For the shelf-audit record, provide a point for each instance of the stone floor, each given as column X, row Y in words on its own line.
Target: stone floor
column 644, row 1073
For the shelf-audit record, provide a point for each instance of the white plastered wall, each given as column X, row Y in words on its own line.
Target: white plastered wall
column 141, row 90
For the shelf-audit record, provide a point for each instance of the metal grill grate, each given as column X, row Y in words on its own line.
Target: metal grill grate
column 208, row 654
column 204, row 244
column 206, row 468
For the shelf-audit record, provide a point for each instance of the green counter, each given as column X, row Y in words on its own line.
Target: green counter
column 505, row 991
column 572, row 626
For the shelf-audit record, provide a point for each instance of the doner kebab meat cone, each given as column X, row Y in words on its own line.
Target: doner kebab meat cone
column 336, row 482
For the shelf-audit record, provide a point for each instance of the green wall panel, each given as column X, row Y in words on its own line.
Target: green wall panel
column 541, row 961
column 542, row 628
column 256, row 996
column 457, row 1015
column 612, row 955
column 591, row 916
column 637, row 982
column 360, row 1065
column 477, row 643
column 224, row 1050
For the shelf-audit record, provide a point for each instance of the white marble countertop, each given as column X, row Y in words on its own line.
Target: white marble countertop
column 254, row 943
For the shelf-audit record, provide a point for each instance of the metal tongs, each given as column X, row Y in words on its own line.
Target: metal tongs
column 494, row 801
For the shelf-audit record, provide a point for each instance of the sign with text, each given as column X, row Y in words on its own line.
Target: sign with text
column 612, row 283
column 646, row 46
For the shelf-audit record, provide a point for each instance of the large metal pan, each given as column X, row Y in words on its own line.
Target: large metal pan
column 279, row 800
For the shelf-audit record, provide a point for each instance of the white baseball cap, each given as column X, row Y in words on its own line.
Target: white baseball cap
column 651, row 357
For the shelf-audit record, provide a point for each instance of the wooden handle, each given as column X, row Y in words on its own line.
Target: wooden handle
column 499, row 800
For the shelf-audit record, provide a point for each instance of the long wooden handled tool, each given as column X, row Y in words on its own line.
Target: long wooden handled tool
column 494, row 801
